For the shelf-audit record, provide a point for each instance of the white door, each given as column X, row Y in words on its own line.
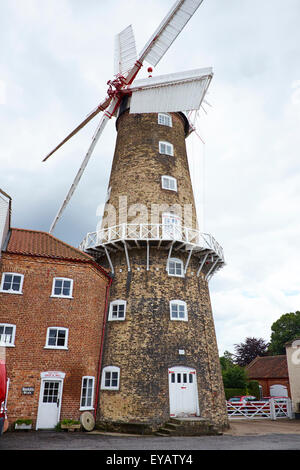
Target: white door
column 50, row 403
column 278, row 390
column 183, row 392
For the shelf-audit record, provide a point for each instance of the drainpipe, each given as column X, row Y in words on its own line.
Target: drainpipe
column 101, row 346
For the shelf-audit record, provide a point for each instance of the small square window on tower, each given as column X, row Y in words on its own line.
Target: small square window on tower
column 110, row 379
column 175, row 267
column 178, row 310
column 168, row 182
column 117, row 310
column 166, row 148
column 165, row 119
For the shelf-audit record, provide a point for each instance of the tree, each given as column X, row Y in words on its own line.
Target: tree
column 285, row 329
column 249, row 350
column 227, row 360
column 234, row 377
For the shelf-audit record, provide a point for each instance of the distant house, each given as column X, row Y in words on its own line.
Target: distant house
column 271, row 372
column 53, row 301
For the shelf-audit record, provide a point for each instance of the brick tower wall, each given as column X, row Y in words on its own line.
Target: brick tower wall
column 147, row 343
column 138, row 166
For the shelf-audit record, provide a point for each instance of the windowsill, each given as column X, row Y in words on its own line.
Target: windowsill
column 86, row 408
column 110, row 388
column 61, row 296
column 10, row 292
column 179, row 319
column 64, row 348
column 176, row 275
column 5, row 345
column 116, row 319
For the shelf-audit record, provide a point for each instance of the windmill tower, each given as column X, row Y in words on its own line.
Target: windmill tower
column 160, row 356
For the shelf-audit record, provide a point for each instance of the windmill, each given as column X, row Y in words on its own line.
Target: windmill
column 159, row 356
column 183, row 91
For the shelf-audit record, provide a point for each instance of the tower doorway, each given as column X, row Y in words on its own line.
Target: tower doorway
column 183, row 391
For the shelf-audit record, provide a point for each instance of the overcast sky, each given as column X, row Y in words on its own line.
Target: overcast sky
column 56, row 58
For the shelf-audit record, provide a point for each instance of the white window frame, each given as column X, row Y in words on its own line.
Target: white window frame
column 164, row 119
column 110, row 369
column 88, row 378
column 178, row 303
column 11, row 291
column 10, row 344
column 167, row 182
column 177, row 261
column 62, row 296
column 51, row 346
column 116, row 303
column 166, row 148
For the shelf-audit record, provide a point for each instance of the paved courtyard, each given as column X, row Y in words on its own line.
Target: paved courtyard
column 242, row 435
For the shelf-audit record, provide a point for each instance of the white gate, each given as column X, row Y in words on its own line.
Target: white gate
column 273, row 409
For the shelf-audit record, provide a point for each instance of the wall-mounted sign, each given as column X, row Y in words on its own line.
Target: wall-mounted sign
column 53, row 374
column 27, row 390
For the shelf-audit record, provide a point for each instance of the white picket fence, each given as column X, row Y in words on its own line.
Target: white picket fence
column 272, row 409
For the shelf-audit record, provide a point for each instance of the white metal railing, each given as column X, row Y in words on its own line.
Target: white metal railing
column 151, row 232
column 273, row 409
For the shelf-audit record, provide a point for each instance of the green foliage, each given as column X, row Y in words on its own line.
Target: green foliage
column 285, row 329
column 234, row 377
column 253, row 388
column 23, row 421
column 226, row 360
column 69, row 422
column 235, row 392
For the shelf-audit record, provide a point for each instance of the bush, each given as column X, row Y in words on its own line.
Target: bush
column 253, row 388
column 235, row 392
column 234, row 377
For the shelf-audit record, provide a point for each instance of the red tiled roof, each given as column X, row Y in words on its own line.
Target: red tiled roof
column 35, row 243
column 267, row 367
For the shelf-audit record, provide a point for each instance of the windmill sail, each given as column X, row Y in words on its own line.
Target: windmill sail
column 104, row 119
column 168, row 30
column 125, row 51
column 183, row 91
column 89, row 117
column 176, row 92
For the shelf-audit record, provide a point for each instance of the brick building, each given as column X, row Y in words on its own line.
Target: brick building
column 271, row 372
column 52, row 309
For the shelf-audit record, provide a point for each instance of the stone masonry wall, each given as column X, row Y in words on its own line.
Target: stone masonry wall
column 146, row 344
column 138, row 166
